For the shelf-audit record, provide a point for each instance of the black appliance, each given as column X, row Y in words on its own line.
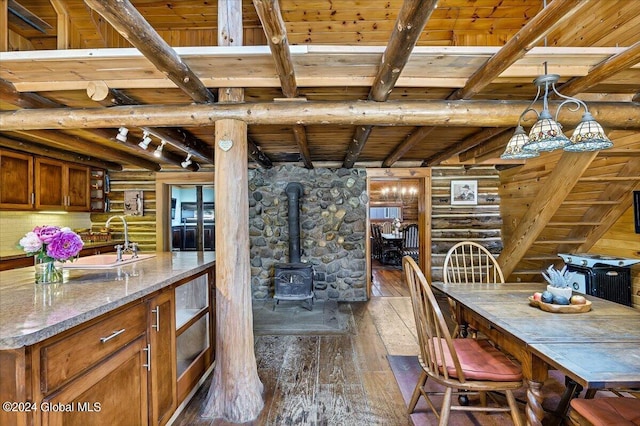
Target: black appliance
column 294, row 280
column 606, row 277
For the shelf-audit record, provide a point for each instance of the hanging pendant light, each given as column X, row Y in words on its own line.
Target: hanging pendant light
column 514, row 149
column 588, row 136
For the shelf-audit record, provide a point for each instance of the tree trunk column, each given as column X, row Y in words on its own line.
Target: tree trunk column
column 236, row 389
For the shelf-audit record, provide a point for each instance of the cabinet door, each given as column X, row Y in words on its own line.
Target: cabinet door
column 77, row 188
column 114, row 392
column 189, row 238
column 16, row 180
column 50, row 184
column 176, row 238
column 162, row 385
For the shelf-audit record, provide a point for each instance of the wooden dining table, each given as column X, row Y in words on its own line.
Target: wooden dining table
column 598, row 349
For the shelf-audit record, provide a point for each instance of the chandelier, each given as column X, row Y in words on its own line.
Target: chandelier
column 546, row 134
column 399, row 194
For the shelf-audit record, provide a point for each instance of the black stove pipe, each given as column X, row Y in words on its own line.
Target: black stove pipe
column 294, row 191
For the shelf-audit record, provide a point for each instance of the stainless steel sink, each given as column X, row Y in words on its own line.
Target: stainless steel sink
column 104, row 261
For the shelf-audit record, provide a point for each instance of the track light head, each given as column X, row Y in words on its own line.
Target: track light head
column 186, row 162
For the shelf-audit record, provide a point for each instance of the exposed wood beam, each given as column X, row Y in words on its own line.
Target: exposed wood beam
column 468, row 143
column 63, row 24
column 256, row 154
column 176, row 137
column 66, row 141
column 276, row 33
column 58, row 154
column 9, row 94
column 4, row 25
column 413, row 139
column 33, row 102
column 619, row 190
column 412, row 18
column 603, row 70
column 620, row 115
column 554, row 191
column 126, row 19
column 548, row 18
column 300, row 135
column 30, row 18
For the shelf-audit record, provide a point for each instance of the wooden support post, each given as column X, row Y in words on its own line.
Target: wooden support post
column 236, row 390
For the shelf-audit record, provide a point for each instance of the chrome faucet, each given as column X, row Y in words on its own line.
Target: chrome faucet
column 126, row 246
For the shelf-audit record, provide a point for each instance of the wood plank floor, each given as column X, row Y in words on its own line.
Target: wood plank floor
column 339, row 378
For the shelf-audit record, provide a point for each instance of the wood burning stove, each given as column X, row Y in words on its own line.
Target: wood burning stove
column 294, row 280
column 606, row 277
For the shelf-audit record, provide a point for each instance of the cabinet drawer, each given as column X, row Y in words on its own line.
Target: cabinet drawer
column 66, row 358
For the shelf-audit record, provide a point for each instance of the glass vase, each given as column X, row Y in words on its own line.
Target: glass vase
column 47, row 272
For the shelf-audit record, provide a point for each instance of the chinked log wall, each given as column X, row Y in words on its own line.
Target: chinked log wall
column 450, row 224
column 142, row 229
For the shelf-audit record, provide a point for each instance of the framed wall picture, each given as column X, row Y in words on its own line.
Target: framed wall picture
column 464, row 192
column 636, row 210
column 133, row 203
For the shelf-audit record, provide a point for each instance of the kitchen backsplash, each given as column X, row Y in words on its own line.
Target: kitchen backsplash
column 13, row 225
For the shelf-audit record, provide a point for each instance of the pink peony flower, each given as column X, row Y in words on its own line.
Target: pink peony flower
column 64, row 245
column 31, row 243
column 46, row 233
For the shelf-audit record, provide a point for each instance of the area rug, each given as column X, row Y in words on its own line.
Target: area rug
column 406, row 371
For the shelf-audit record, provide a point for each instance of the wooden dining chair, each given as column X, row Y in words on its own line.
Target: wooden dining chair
column 605, row 411
column 469, row 262
column 460, row 365
column 377, row 243
column 411, row 241
column 387, row 227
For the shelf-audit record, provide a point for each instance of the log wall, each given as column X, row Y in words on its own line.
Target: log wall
column 480, row 223
column 142, row 229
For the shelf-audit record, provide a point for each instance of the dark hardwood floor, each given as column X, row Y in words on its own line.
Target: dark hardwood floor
column 340, row 379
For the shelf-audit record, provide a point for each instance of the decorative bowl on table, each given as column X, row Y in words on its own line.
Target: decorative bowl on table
column 560, row 309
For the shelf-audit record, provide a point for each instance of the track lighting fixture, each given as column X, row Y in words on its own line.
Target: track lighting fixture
column 159, row 148
column 122, row 134
column 146, row 140
column 186, row 162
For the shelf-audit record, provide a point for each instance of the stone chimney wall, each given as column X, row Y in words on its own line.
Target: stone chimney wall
column 332, row 234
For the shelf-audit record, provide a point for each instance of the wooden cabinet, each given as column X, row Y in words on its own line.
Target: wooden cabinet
column 61, row 186
column 194, row 331
column 16, row 180
column 131, row 366
column 112, row 393
column 99, row 372
column 162, row 382
column 185, row 237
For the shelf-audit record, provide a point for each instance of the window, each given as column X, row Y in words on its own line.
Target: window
column 385, row 212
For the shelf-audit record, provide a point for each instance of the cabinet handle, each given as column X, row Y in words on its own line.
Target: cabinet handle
column 157, row 324
column 148, row 351
column 33, row 198
column 114, row 334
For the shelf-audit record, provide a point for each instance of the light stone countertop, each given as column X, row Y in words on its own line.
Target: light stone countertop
column 30, row 313
column 9, row 254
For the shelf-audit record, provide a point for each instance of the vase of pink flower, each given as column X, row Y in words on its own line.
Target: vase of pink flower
column 48, row 245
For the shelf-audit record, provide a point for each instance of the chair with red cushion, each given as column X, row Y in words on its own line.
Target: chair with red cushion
column 460, row 365
column 613, row 411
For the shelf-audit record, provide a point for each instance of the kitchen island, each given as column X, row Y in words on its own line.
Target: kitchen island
column 116, row 346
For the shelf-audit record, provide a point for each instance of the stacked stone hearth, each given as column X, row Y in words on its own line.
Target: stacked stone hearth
column 332, row 234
